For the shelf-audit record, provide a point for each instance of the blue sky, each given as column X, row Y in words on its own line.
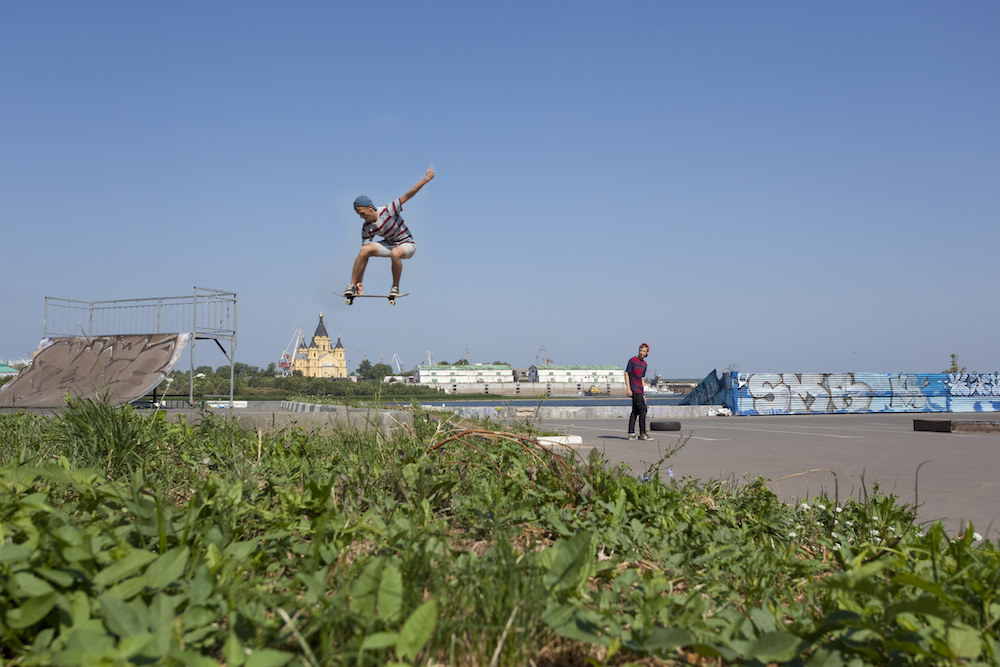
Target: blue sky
column 785, row 186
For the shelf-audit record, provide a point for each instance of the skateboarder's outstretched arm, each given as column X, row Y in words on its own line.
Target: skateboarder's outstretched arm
column 416, row 188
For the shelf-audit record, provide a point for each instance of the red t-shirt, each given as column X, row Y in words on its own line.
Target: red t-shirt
column 636, row 370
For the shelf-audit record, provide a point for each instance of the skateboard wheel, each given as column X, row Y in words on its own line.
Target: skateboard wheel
column 392, row 302
column 664, row 425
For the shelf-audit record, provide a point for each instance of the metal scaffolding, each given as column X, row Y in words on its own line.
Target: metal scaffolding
column 209, row 314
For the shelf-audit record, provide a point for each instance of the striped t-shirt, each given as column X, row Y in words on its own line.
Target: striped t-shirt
column 389, row 226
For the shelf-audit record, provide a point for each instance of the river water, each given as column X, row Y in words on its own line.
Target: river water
column 555, row 401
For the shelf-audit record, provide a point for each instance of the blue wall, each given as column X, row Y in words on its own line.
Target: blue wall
column 824, row 393
column 715, row 389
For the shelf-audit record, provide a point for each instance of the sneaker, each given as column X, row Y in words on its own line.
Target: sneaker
column 394, row 291
column 631, row 436
column 351, row 291
column 644, row 436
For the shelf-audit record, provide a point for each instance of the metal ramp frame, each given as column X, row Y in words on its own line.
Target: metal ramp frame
column 208, row 314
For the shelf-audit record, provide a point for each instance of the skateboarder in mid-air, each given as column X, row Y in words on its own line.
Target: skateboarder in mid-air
column 396, row 244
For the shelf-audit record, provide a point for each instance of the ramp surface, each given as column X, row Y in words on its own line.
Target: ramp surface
column 123, row 368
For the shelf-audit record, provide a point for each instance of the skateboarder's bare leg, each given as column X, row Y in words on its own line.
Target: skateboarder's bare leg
column 369, row 250
column 397, row 264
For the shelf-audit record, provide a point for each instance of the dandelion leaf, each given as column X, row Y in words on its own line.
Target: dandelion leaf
column 571, row 623
column 417, row 630
column 390, row 594
column 379, row 640
column 571, row 563
column 777, row 646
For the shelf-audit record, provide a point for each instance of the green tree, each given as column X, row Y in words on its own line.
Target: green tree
column 368, row 371
column 954, row 366
column 242, row 370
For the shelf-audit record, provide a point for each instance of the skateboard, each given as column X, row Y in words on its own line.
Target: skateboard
column 349, row 299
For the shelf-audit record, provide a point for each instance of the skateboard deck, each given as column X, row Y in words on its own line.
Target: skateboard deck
column 349, row 299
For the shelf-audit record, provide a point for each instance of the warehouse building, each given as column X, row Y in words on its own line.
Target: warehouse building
column 463, row 374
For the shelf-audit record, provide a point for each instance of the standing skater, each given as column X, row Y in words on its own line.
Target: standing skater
column 634, row 372
column 396, row 243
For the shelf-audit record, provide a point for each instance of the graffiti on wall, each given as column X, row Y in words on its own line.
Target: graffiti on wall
column 824, row 393
column 973, row 384
column 116, row 368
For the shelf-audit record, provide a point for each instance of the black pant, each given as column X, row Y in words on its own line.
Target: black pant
column 638, row 410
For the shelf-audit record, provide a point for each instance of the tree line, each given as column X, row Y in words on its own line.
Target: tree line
column 253, row 383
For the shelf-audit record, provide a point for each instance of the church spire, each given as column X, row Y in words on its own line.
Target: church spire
column 320, row 329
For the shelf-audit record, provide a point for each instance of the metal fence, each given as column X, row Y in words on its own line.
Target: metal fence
column 208, row 314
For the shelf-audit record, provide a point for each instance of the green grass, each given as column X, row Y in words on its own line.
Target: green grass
column 130, row 540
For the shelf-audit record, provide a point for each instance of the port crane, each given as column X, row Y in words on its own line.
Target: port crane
column 541, row 356
column 288, row 356
column 399, row 364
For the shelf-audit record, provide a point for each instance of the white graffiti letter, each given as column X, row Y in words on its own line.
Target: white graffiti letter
column 848, row 395
column 958, row 384
column 770, row 395
column 808, row 393
column 980, row 384
column 906, row 391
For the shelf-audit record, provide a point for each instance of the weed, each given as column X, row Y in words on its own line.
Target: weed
column 125, row 539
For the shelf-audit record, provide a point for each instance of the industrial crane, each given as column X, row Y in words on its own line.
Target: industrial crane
column 399, row 364
column 288, row 356
column 541, row 356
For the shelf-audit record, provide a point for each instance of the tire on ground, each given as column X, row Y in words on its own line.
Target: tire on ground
column 664, row 425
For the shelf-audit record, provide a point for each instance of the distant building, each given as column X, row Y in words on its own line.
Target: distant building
column 7, row 372
column 576, row 374
column 463, row 374
column 319, row 360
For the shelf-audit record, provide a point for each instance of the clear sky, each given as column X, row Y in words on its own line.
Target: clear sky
column 786, row 186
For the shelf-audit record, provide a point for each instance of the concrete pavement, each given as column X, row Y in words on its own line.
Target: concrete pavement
column 959, row 483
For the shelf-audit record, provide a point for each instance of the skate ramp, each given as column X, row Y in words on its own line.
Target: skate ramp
column 123, row 368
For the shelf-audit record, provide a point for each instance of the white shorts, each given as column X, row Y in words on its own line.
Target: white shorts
column 385, row 250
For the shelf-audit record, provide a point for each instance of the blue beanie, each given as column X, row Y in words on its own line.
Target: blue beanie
column 363, row 201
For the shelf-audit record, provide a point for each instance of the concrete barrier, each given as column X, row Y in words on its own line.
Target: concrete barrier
column 956, row 426
column 520, row 412
column 386, row 421
column 529, row 388
column 585, row 412
column 226, row 404
column 560, row 440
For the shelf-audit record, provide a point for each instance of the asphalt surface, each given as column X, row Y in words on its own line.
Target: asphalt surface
column 960, row 481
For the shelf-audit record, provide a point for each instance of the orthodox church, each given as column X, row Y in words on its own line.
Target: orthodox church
column 319, row 360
